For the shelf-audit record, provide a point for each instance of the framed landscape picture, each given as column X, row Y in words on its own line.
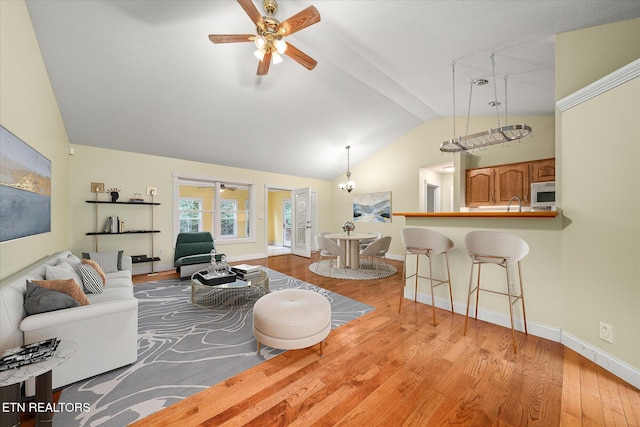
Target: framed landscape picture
column 372, row 207
column 25, row 189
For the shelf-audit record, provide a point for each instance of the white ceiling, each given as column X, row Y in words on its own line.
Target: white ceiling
column 142, row 76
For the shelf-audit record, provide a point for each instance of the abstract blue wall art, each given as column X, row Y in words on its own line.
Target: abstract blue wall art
column 25, row 189
column 372, row 207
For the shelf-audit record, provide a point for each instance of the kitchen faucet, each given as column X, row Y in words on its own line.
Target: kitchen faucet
column 519, row 203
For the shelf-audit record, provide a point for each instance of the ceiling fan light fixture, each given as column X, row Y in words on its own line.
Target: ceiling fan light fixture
column 260, row 42
column 259, row 53
column 280, row 45
column 275, row 56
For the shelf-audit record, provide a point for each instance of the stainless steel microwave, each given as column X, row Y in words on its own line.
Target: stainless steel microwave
column 543, row 194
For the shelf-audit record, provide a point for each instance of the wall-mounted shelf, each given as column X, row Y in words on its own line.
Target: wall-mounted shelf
column 122, row 203
column 101, row 233
column 150, row 259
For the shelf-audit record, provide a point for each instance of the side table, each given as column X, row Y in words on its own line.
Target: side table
column 10, row 386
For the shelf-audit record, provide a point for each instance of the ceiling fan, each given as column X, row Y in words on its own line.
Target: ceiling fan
column 270, row 34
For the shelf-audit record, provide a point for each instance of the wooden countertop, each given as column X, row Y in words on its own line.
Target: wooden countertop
column 544, row 214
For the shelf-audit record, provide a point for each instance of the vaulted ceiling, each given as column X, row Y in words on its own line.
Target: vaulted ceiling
column 142, row 76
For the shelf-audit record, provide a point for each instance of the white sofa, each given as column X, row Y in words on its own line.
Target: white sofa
column 105, row 331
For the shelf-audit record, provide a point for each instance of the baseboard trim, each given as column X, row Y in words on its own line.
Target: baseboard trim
column 617, row 367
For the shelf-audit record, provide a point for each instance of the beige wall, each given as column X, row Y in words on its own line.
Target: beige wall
column 133, row 172
column 584, row 56
column 29, row 110
column 601, row 244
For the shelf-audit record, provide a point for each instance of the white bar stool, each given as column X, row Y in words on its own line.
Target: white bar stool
column 422, row 241
column 505, row 250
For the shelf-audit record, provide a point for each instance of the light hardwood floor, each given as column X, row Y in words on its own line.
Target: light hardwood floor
column 393, row 369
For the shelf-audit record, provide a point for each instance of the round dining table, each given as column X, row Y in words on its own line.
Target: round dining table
column 350, row 244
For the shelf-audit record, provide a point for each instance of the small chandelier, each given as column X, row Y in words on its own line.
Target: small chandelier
column 349, row 185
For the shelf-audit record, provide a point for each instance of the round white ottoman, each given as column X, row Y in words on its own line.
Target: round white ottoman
column 291, row 319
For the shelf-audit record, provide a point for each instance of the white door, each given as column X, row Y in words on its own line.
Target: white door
column 286, row 223
column 301, row 220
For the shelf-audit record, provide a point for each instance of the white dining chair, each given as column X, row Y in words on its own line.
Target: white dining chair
column 375, row 235
column 504, row 250
column 327, row 248
column 377, row 249
column 422, row 241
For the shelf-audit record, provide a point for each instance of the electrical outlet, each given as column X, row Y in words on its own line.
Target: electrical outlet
column 152, row 191
column 606, row 332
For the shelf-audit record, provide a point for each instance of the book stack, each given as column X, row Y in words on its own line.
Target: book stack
column 28, row 354
column 113, row 225
column 246, row 272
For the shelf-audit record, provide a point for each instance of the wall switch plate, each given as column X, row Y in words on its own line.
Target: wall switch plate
column 606, row 332
column 152, row 191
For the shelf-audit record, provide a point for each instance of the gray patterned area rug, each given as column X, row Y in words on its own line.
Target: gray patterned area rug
column 182, row 349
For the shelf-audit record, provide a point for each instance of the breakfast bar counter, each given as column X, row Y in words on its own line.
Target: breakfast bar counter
column 541, row 214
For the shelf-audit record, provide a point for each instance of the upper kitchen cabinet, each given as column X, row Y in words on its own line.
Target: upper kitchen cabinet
column 512, row 181
column 480, row 187
column 496, row 185
column 543, row 170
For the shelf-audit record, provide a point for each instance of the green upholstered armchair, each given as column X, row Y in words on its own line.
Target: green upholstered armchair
column 193, row 252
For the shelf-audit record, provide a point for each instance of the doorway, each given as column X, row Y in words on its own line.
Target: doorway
column 278, row 216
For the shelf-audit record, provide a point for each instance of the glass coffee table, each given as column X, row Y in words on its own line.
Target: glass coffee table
column 229, row 296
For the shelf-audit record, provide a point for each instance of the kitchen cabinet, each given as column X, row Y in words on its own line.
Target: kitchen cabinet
column 496, row 185
column 512, row 181
column 480, row 187
column 543, row 170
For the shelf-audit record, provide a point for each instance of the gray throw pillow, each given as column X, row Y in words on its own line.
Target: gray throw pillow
column 41, row 300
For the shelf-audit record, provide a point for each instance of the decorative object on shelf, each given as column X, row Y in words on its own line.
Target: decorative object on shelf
column 348, row 226
column 349, row 185
column 137, row 198
column 270, row 33
column 499, row 135
column 115, row 194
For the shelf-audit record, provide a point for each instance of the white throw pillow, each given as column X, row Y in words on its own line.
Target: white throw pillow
column 62, row 271
column 110, row 262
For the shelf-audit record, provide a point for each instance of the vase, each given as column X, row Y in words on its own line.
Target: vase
column 348, row 232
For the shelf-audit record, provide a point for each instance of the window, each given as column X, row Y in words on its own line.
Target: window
column 203, row 204
column 228, row 218
column 190, row 213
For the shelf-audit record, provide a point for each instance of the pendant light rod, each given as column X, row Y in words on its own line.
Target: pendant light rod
column 349, row 185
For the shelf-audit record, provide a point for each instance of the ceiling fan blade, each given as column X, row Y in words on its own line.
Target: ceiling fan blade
column 252, row 11
column 300, row 57
column 263, row 66
column 299, row 21
column 231, row 38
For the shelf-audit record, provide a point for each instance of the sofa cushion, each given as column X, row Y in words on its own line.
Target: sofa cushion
column 193, row 259
column 97, row 268
column 196, row 248
column 109, row 261
column 68, row 286
column 42, row 300
column 91, row 280
column 62, row 271
column 111, row 294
